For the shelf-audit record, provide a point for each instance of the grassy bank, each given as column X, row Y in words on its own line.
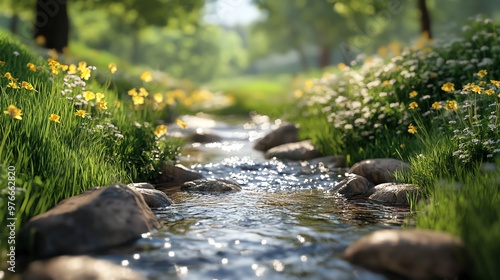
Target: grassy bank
column 436, row 106
column 63, row 132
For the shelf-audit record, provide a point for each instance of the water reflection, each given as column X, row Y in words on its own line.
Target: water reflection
column 284, row 224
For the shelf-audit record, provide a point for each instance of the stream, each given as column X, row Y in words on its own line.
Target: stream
column 284, row 224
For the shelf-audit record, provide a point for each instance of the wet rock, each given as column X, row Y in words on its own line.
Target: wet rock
column 378, row 170
column 353, row 185
column 95, row 220
column 78, row 268
column 303, row 150
column 394, row 193
column 154, row 198
column 211, row 185
column 412, row 254
column 330, row 162
column 287, row 133
column 142, row 185
column 172, row 177
column 203, row 137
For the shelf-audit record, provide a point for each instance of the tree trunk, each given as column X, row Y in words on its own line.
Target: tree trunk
column 324, row 56
column 14, row 23
column 425, row 19
column 52, row 24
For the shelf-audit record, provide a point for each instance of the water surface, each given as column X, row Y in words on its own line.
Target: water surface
column 284, row 224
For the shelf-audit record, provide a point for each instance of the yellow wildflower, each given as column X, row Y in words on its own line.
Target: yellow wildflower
column 81, row 113
column 146, row 76
column 436, row 105
column 132, row 92
column 85, row 74
column 27, row 86
column 12, row 85
column 82, row 65
column 477, row 89
column 8, row 75
column 413, row 105
column 386, row 83
column 2, row 63
column 451, row 105
column 158, row 97
column 117, row 104
column 342, row 66
column 160, row 130
column 14, row 112
column 72, row 69
column 489, row 91
column 143, row 92
column 448, row 87
column 138, row 100
column 482, row 83
column 88, row 95
column 31, row 66
column 468, row 86
column 112, row 68
column 495, row 82
column 99, row 96
column 182, row 124
column 413, row 94
column 482, row 73
column 55, row 118
column 308, row 84
column 103, row 105
column 412, row 129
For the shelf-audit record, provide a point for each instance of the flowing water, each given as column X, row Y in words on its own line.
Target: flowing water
column 284, row 224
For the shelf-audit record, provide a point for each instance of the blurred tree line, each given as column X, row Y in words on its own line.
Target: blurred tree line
column 170, row 35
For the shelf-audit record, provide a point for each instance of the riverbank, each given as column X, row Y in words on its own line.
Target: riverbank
column 435, row 106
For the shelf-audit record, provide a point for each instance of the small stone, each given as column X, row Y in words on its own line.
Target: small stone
column 142, row 185
column 154, row 198
column 353, row 185
column 211, row 185
column 78, row 268
column 287, row 133
column 394, row 193
column 172, row 177
column 203, row 137
column 330, row 162
column 412, row 254
column 303, row 150
column 378, row 170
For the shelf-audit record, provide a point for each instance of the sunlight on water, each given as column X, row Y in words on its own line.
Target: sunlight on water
column 284, row 224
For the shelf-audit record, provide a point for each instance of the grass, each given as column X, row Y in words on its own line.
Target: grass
column 55, row 159
column 436, row 106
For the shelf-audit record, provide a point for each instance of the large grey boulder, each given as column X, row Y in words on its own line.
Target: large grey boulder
column 411, row 254
column 78, row 268
column 154, row 198
column 303, row 150
column 95, row 220
column 394, row 193
column 378, row 170
column 211, row 185
column 352, row 186
column 172, row 177
column 287, row 133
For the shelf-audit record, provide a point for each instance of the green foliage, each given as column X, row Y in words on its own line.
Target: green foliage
column 57, row 159
column 469, row 209
column 369, row 106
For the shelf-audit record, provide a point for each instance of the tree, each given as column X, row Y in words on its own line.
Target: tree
column 52, row 24
column 425, row 19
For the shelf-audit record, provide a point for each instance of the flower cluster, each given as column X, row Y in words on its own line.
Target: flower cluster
column 375, row 99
